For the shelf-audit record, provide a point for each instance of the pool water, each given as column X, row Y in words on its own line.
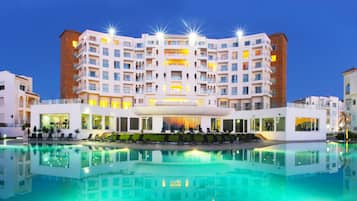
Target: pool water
column 294, row 172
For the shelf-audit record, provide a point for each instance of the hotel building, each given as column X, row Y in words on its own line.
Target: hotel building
column 16, row 97
column 122, row 72
column 169, row 83
column 333, row 106
column 350, row 96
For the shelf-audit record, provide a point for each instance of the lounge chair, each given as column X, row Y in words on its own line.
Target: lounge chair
column 61, row 137
column 50, row 136
column 39, row 136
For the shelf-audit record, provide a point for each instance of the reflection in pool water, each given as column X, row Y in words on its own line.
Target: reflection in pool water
column 310, row 171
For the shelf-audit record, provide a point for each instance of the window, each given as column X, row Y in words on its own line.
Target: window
column 273, row 47
column 96, row 121
column 105, row 51
column 85, row 121
column 258, row 52
column 227, row 124
column 55, row 121
column 258, row 77
column 306, row 124
column 117, row 64
column 127, row 77
column 2, row 87
column 258, row 90
column 234, row 55
column 92, row 49
column 92, row 87
column 234, row 91
column 147, row 123
column 268, row 124
column 116, row 89
column 258, row 41
column 105, row 75
column 127, row 55
column 224, row 68
column 245, row 90
column 258, row 105
column 245, row 78
column 245, row 66
column 117, row 76
column 105, row 88
column 92, row 61
column 2, row 101
column 126, row 66
column 224, row 45
column 92, row 74
column 245, row 54
column 347, row 89
column 234, row 67
column 105, row 63
column 139, row 45
column 134, row 124
column 234, row 78
column 255, row 124
column 273, row 58
column 247, row 43
column 116, row 53
column 258, row 64
column 280, row 124
column 22, row 87
column 223, row 79
column 224, row 91
column 235, row 44
column 109, row 122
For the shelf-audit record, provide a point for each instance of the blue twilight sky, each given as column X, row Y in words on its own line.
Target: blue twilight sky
column 322, row 33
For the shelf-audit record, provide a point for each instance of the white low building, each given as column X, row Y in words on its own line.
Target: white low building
column 333, row 106
column 292, row 123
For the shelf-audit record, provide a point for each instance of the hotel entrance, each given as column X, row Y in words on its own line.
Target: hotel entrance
column 181, row 123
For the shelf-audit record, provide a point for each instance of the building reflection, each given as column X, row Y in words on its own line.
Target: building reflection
column 102, row 173
column 15, row 172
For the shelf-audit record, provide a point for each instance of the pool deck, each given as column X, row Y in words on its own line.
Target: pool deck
column 224, row 146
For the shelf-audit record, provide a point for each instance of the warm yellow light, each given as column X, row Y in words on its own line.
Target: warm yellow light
column 187, row 183
column 92, row 102
column 116, row 42
column 163, row 183
column 212, row 66
column 175, row 183
column 126, row 105
column 103, row 103
column 104, row 40
column 176, row 87
column 152, row 102
column 115, row 104
column 245, row 54
column 273, row 58
column 187, row 88
column 180, row 62
column 75, row 43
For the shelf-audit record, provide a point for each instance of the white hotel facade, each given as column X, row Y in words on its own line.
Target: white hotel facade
column 160, row 83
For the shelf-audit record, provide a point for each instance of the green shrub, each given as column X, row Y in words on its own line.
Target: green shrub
column 198, row 138
column 173, row 138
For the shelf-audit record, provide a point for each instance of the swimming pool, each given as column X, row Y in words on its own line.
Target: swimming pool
column 294, row 172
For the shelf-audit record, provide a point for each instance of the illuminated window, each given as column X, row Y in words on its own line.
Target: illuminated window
column 75, row 44
column 116, row 42
column 258, row 52
column 245, row 66
column 103, row 103
column 115, row 104
column 55, row 121
column 104, row 40
column 92, row 102
column 109, row 122
column 268, row 124
column 245, row 54
column 85, row 121
column 255, row 124
column 126, row 105
column 273, row 58
column 306, row 124
column 96, row 121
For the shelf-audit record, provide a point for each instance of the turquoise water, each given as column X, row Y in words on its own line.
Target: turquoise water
column 294, row 172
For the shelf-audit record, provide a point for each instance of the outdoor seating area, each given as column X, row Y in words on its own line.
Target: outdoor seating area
column 173, row 138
